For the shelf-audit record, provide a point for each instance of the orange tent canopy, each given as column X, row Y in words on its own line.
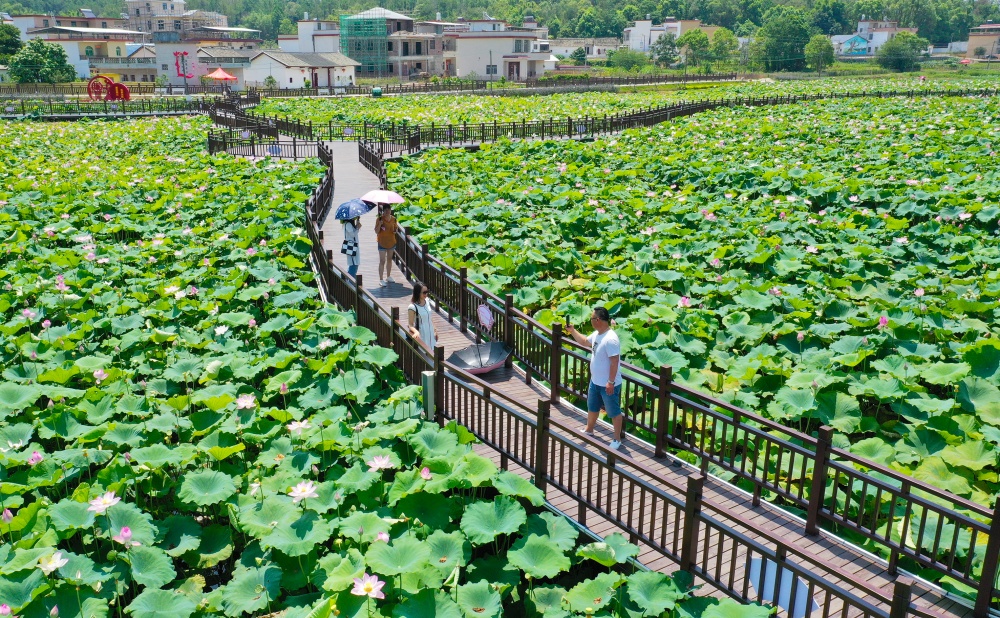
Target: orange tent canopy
column 221, row 75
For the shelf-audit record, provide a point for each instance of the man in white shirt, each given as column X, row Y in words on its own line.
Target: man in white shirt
column 605, row 390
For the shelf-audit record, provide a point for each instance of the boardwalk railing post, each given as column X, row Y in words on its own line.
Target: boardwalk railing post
column 692, row 509
column 542, row 445
column 424, row 263
column 508, row 327
column 987, row 581
column 439, row 384
column 817, row 488
column 902, row 591
column 555, row 368
column 427, row 381
column 393, row 320
column 662, row 409
column 357, row 297
column 463, row 284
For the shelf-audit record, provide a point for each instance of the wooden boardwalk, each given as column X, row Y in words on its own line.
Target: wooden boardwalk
column 838, row 562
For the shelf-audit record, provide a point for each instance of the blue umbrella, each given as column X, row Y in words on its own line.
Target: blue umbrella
column 350, row 210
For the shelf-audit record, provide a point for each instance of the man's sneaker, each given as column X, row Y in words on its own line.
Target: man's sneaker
column 390, row 280
column 381, row 283
column 615, row 445
column 589, row 433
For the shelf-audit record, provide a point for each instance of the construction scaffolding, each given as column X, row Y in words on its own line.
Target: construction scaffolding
column 364, row 37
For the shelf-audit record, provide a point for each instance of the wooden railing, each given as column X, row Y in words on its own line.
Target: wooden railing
column 931, row 527
column 676, row 521
column 145, row 107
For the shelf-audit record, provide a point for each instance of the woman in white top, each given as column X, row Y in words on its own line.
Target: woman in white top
column 419, row 316
column 351, row 228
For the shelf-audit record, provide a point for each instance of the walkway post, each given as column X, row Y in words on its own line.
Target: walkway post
column 439, row 384
column 817, row 488
column 427, row 383
column 424, row 263
column 987, row 581
column 393, row 319
column 692, row 509
column 662, row 409
column 902, row 591
column 357, row 297
column 508, row 327
column 542, row 445
column 555, row 365
column 463, row 284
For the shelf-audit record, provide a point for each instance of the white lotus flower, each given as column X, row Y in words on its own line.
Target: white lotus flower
column 53, row 562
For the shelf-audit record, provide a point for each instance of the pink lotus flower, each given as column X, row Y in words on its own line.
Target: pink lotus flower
column 99, row 375
column 283, row 389
column 296, row 427
column 251, row 251
column 368, row 586
column 125, row 537
column 600, row 211
column 101, row 504
column 775, row 291
column 801, row 336
column 380, row 462
column 425, row 473
column 811, row 249
column 9, row 517
column 245, row 401
column 305, row 489
column 918, row 292
column 252, row 323
column 684, row 302
column 883, row 322
column 382, row 536
column 5, row 609
column 29, row 314
column 716, row 262
column 781, row 215
column 46, row 323
column 36, row 458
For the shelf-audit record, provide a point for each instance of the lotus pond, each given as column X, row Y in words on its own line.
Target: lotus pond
column 186, row 430
column 444, row 109
column 823, row 263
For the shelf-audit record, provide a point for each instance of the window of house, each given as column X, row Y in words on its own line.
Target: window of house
column 118, row 51
column 164, row 6
column 371, row 45
column 72, row 24
column 45, row 23
column 390, row 68
column 419, row 48
column 399, row 26
column 289, row 80
column 104, row 24
column 89, row 51
column 177, row 24
column 389, row 46
column 420, row 66
column 491, row 69
column 58, row 23
column 159, row 25
column 406, row 48
column 163, row 67
column 432, row 44
column 517, row 45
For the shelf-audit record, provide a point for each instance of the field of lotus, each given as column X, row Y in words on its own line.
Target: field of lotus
column 444, row 109
column 186, row 430
column 822, row 263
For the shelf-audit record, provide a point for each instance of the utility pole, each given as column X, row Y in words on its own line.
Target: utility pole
column 184, row 71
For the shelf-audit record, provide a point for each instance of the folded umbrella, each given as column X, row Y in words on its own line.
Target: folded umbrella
column 352, row 209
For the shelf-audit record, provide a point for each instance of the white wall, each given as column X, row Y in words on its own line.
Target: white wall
column 473, row 54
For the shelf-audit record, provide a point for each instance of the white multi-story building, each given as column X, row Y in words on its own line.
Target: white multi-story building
column 643, row 33
column 596, row 48
column 869, row 37
column 314, row 36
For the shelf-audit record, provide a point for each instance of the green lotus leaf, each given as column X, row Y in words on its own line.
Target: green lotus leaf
column 727, row 608
column 291, row 299
column 287, row 378
column 259, row 518
column 593, row 594
column 71, row 515
column 974, row 455
column 357, row 478
column 185, row 370
column 181, row 535
column 432, row 442
column 537, row 557
column 205, row 487
column 874, row 449
column 215, row 397
column 363, row 526
column 652, row 593
column 139, row 522
column 216, row 546
column 479, row 600
column 81, row 570
column 935, row 472
column 300, row 537
column 401, row 555
column 510, row 484
column 20, row 588
column 353, row 384
column 24, row 559
column 435, row 603
column 161, row 604
column 556, row 528
column 547, row 600
column 160, row 455
column 615, row 549
column 472, row 471
column 251, row 590
column 839, row 411
column 151, row 566
column 484, row 521
column 338, row 571
column 448, row 550
column 17, row 396
column 405, row 483
column 945, row 373
column 379, row 357
column 979, row 397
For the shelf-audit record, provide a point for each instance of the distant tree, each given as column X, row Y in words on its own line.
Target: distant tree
column 696, row 46
column 780, row 43
column 579, row 56
column 901, row 52
column 831, row 17
column 628, row 60
column 724, row 44
column 41, row 62
column 746, row 29
column 586, row 24
column 819, row 52
column 979, row 52
column 664, row 49
column 10, row 42
column 555, row 26
column 270, row 82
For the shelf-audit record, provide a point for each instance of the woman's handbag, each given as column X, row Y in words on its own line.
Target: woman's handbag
column 349, row 248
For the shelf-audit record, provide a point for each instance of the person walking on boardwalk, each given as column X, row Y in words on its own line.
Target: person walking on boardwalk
column 605, row 377
column 385, row 233
column 418, row 316
column 351, row 246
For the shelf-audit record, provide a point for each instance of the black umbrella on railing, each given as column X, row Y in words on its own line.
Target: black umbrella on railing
column 483, row 357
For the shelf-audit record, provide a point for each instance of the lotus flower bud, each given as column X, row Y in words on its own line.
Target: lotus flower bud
column 7, row 518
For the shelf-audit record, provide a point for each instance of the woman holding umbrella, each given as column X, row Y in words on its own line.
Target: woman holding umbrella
column 350, row 213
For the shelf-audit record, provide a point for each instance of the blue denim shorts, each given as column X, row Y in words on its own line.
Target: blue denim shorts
column 598, row 399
